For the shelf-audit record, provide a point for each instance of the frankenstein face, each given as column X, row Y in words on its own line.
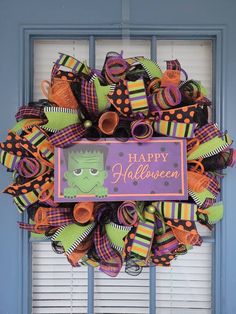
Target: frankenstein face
column 86, row 170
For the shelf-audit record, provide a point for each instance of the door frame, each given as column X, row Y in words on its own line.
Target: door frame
column 216, row 33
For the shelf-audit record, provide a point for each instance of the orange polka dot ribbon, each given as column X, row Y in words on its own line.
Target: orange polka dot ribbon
column 119, row 98
column 186, row 114
column 185, row 232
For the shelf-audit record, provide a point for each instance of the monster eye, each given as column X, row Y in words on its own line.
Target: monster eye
column 78, row 172
column 93, row 171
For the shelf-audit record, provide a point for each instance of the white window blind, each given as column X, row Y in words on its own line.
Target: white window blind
column 185, row 288
column 57, row 287
column 123, row 294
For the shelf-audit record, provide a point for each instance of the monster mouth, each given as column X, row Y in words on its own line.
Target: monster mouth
column 86, row 191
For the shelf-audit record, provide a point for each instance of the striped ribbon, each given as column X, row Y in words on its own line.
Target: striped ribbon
column 40, row 140
column 144, row 234
column 30, row 167
column 9, row 160
column 70, row 62
column 137, row 96
column 24, row 200
column 175, row 129
column 167, row 97
column 127, row 214
column 165, row 243
column 177, row 210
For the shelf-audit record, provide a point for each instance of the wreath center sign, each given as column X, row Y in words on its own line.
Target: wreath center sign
column 116, row 166
column 111, row 170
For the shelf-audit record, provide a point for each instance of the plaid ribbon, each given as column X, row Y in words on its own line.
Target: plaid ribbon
column 208, row 132
column 208, row 203
column 89, row 98
column 68, row 135
column 26, row 112
column 211, row 147
column 54, row 217
column 214, row 186
column 111, row 261
column 173, row 65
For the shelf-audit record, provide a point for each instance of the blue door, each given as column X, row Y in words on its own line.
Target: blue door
column 23, row 21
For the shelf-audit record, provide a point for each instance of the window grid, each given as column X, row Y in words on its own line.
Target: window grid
column 152, row 276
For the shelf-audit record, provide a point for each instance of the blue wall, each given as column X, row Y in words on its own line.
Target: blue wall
column 14, row 14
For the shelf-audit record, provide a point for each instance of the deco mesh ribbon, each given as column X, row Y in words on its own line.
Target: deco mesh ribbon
column 128, row 98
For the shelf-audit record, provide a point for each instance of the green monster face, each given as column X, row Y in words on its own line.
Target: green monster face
column 86, row 171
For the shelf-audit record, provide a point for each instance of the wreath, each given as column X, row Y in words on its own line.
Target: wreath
column 128, row 98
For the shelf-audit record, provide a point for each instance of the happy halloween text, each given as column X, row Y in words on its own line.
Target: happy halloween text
column 139, row 168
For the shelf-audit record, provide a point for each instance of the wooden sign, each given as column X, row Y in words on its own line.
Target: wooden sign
column 110, row 170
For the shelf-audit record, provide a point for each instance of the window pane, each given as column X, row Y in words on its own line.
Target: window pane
column 195, row 57
column 46, row 53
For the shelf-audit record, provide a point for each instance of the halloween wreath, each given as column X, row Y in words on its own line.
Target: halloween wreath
column 129, row 98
